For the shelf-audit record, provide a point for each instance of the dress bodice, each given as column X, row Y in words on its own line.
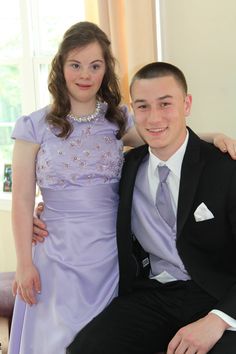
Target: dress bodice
column 90, row 155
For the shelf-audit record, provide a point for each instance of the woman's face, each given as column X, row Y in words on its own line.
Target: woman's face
column 84, row 70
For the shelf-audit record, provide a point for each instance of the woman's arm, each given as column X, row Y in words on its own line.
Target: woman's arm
column 132, row 138
column 23, row 197
column 221, row 141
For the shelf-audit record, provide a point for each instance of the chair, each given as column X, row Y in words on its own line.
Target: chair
column 6, row 308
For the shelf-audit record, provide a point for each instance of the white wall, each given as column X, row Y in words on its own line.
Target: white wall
column 199, row 37
column 7, row 248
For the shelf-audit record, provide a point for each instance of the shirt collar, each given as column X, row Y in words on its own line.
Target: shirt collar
column 174, row 163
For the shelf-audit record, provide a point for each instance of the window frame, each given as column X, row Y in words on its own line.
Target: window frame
column 29, row 61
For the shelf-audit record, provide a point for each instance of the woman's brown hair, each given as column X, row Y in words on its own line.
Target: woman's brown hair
column 80, row 35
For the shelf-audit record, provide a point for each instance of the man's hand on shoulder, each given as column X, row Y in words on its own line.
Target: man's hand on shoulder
column 198, row 337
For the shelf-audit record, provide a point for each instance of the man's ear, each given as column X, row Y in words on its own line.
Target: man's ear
column 188, row 104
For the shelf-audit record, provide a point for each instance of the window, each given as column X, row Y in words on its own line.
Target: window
column 30, row 31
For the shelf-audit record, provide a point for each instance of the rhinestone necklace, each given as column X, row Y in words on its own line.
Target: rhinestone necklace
column 88, row 117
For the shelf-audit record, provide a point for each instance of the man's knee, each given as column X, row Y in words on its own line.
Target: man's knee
column 80, row 347
column 226, row 345
column 87, row 341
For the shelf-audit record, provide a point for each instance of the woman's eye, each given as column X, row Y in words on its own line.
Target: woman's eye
column 75, row 66
column 95, row 66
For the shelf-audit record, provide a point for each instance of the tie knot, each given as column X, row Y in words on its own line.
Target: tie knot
column 163, row 173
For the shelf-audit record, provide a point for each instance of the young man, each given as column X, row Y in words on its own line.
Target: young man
column 177, row 264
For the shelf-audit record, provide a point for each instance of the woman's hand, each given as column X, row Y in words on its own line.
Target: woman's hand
column 27, row 283
column 225, row 144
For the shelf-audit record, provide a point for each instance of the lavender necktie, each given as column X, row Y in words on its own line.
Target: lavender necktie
column 163, row 201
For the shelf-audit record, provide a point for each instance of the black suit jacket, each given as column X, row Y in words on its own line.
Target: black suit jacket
column 207, row 248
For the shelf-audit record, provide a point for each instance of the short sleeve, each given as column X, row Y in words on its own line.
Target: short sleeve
column 129, row 118
column 30, row 128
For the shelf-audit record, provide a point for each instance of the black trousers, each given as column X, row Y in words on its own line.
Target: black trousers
column 145, row 321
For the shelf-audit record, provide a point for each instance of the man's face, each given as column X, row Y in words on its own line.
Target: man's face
column 160, row 108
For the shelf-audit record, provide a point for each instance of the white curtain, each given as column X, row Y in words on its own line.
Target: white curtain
column 131, row 27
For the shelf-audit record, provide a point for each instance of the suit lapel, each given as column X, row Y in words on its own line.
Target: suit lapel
column 129, row 174
column 127, row 263
column 190, row 173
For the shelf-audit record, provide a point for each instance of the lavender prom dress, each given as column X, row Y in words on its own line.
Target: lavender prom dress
column 78, row 178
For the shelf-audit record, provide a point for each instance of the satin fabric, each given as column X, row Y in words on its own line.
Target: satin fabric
column 78, row 269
